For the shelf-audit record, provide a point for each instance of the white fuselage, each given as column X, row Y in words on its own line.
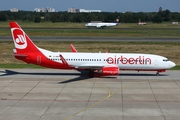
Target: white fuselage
column 98, row 25
column 125, row 61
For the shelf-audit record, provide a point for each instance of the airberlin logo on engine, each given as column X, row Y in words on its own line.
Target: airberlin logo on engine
column 19, row 38
column 132, row 60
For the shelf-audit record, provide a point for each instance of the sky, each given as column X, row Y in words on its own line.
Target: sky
column 103, row 5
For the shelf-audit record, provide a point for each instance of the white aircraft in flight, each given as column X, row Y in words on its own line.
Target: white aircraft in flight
column 103, row 24
column 101, row 64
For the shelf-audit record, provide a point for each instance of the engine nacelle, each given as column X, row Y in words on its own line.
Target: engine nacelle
column 110, row 71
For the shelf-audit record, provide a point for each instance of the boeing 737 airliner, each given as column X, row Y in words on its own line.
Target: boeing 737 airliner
column 103, row 24
column 103, row 64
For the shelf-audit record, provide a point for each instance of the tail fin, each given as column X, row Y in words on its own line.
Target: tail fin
column 117, row 20
column 22, row 42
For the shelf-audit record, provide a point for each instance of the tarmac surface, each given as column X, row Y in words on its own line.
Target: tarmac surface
column 44, row 94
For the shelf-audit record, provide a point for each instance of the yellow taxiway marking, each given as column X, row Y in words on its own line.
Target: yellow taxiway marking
column 90, row 106
column 110, row 94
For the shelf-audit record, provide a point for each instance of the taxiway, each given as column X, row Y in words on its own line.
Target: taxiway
column 43, row 94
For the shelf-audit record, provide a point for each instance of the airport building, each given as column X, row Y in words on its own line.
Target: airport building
column 14, row 10
column 87, row 11
column 74, row 10
column 44, row 9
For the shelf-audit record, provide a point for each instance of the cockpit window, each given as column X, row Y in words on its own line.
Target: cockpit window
column 165, row 60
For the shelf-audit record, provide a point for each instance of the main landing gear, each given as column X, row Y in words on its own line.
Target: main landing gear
column 157, row 73
column 91, row 73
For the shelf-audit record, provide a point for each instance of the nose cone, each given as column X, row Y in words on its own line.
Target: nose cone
column 172, row 64
column 87, row 24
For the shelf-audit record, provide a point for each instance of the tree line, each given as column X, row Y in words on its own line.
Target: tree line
column 127, row 17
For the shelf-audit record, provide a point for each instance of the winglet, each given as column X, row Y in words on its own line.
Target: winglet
column 73, row 48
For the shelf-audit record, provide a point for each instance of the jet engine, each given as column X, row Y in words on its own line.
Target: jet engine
column 110, row 71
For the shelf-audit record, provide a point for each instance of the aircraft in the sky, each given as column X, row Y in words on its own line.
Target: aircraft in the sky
column 102, row 25
column 103, row 64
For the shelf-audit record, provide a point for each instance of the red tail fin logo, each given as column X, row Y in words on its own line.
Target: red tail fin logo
column 19, row 38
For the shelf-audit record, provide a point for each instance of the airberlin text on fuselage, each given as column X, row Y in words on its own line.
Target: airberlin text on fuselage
column 132, row 60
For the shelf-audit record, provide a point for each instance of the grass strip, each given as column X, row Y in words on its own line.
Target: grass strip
column 27, row 24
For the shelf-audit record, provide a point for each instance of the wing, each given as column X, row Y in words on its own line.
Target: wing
column 93, row 66
column 87, row 66
column 101, row 26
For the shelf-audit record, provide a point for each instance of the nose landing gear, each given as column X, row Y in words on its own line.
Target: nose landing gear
column 157, row 73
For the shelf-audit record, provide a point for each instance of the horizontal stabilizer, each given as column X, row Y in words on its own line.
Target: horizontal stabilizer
column 20, row 55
